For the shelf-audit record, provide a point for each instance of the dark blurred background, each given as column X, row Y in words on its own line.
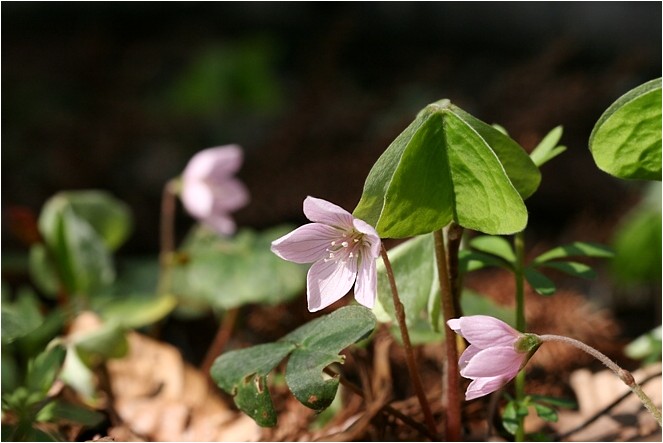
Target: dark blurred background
column 118, row 96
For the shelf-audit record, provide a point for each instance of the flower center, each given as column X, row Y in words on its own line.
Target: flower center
column 347, row 247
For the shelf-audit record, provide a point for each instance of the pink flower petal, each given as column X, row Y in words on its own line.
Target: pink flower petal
column 221, row 224
column 328, row 281
column 484, row 331
column 366, row 286
column 467, row 355
column 493, row 362
column 220, row 161
column 484, row 386
column 454, row 324
column 305, row 244
column 229, row 195
column 371, row 237
column 322, row 211
column 197, row 198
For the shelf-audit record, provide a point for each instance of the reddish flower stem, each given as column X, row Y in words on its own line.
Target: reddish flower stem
column 409, row 352
column 452, row 376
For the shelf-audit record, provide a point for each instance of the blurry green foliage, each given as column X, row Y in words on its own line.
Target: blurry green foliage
column 226, row 78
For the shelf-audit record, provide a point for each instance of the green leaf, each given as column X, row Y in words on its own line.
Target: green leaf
column 43, row 369
column 21, row 317
column 320, row 342
column 243, row 374
column 539, row 282
column 470, row 260
column 448, row 166
column 138, row 310
column 107, row 342
column 496, row 246
column 43, row 271
column 76, row 374
column 626, row 140
column 555, row 401
column 575, row 249
column 647, row 347
column 510, row 418
column 546, row 413
column 228, row 272
column 59, row 410
column 109, row 217
column 547, row 149
column 572, row 268
column 81, row 258
column 415, row 272
column 312, row 347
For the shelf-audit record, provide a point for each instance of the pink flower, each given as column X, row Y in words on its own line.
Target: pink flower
column 209, row 189
column 496, row 353
column 343, row 250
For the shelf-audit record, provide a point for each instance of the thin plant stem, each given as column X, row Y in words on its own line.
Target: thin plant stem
column 452, row 376
column 519, row 247
column 220, row 339
column 454, row 238
column 409, row 352
column 167, row 235
column 386, row 408
column 623, row 374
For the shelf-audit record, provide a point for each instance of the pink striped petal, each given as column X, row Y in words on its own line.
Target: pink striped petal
column 305, row 244
column 322, row 211
column 484, row 386
column 467, row 355
column 328, row 281
column 366, row 286
column 221, row 161
column 484, row 331
column 493, row 362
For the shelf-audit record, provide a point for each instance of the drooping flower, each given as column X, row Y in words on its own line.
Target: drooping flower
column 497, row 352
column 343, row 250
column 210, row 192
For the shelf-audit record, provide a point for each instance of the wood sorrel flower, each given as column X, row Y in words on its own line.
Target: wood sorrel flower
column 209, row 189
column 343, row 250
column 497, row 352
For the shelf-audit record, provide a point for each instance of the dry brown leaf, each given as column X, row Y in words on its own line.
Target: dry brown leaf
column 162, row 398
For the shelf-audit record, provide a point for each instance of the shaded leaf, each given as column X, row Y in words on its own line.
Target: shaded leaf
column 448, row 166
column 546, row 413
column 228, row 272
column 43, row 369
column 510, row 418
column 539, row 282
column 312, row 347
column 626, row 140
column 555, row 401
column 572, row 268
column 94, row 347
column 43, row 271
column 21, row 317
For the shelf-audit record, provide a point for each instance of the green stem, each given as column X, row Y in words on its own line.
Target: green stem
column 519, row 273
column 452, row 376
column 623, row 374
column 409, row 352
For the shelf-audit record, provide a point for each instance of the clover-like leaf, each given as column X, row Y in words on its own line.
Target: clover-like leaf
column 321, row 341
column 312, row 347
column 243, row 374
column 448, row 166
column 470, row 260
column 626, row 140
column 546, row 413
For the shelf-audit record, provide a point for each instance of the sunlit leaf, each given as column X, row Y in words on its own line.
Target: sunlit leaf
column 626, row 140
column 496, row 246
column 548, row 149
column 138, row 310
column 448, row 166
column 575, row 249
